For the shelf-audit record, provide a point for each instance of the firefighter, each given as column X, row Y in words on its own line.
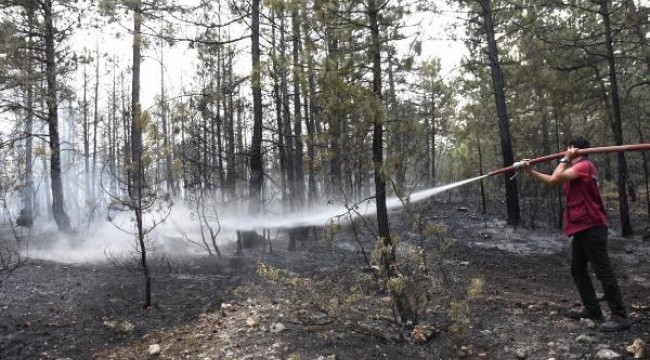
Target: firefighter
column 585, row 221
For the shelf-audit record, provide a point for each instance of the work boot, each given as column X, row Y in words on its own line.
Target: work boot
column 616, row 322
column 577, row 314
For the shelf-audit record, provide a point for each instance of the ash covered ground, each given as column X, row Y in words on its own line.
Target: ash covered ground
column 321, row 302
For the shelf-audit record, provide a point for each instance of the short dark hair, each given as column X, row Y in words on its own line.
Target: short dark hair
column 579, row 142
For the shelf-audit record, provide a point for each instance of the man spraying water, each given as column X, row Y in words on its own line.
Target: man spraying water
column 585, row 220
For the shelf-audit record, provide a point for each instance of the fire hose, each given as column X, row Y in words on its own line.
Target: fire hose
column 519, row 165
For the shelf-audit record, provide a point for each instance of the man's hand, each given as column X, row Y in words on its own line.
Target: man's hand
column 527, row 166
column 571, row 153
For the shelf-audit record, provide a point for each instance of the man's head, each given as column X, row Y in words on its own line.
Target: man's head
column 579, row 142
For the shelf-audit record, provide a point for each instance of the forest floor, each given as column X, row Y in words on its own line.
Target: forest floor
column 495, row 292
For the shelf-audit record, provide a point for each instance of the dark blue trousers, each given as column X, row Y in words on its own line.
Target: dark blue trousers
column 590, row 246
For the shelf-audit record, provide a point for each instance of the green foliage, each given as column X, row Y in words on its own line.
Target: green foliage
column 556, row 71
column 269, row 273
column 294, row 356
column 475, row 287
column 143, row 120
column 107, row 7
column 381, row 251
column 397, row 284
column 458, row 311
column 332, row 228
column 433, row 229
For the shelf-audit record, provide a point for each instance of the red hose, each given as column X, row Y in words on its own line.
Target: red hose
column 596, row 150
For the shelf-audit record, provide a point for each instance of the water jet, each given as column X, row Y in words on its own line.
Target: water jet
column 320, row 216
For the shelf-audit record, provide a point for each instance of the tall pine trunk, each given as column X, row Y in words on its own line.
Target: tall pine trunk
column 112, row 136
column 480, row 172
column 137, row 182
column 403, row 311
column 256, row 169
column 512, row 198
column 93, row 183
column 310, row 120
column 86, row 135
column 333, row 112
column 626, row 225
column 277, row 96
column 58, row 203
column 286, row 110
column 231, row 170
column 167, row 150
column 431, row 153
column 641, row 38
column 299, row 186
column 29, row 125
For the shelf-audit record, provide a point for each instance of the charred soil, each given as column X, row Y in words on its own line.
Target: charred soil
column 500, row 293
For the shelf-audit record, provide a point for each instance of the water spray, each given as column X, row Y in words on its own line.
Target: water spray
column 320, row 216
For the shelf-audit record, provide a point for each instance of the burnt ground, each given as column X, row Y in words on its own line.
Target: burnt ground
column 493, row 292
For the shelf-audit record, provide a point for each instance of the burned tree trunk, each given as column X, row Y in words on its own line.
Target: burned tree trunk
column 404, row 312
column 58, row 202
column 512, row 198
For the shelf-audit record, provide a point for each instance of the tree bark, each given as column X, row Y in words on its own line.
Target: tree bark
column 286, row 113
column 86, row 135
column 397, row 138
column 480, row 172
column 432, row 139
column 277, row 96
column 333, row 113
column 136, row 187
column 58, row 202
column 93, row 182
column 299, row 186
column 169, row 175
column 113, row 136
column 512, row 197
column 310, row 122
column 28, row 205
column 624, row 212
column 256, row 165
column 378, row 137
column 230, row 136
column 404, row 312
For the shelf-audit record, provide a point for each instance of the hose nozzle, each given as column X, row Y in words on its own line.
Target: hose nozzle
column 519, row 165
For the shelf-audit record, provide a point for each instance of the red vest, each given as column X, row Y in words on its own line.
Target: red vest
column 584, row 206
